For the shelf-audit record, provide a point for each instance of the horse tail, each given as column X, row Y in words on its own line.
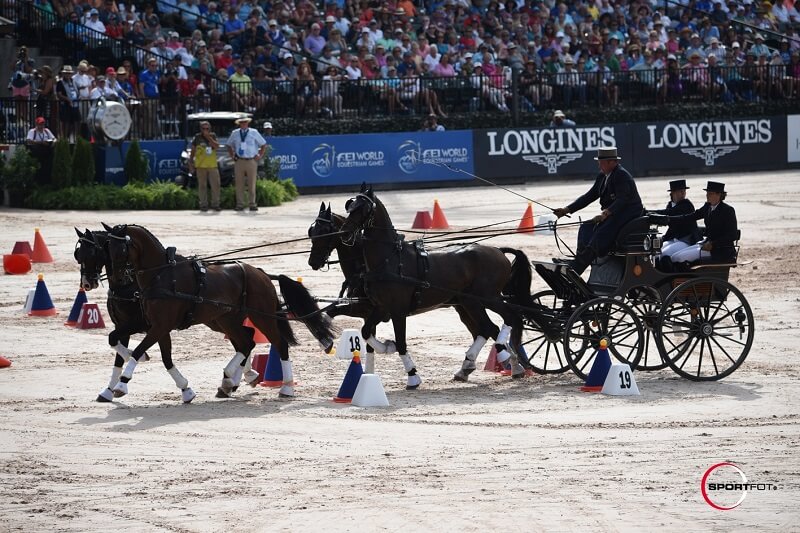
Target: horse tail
column 518, row 287
column 300, row 302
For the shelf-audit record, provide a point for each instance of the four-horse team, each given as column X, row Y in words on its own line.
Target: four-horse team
column 153, row 290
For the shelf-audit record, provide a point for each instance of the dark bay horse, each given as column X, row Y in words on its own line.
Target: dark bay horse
column 122, row 303
column 402, row 279
column 177, row 292
column 326, row 237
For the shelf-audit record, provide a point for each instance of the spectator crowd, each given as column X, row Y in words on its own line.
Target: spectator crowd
column 432, row 57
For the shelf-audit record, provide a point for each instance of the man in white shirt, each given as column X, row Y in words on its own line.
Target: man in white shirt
column 101, row 90
column 94, row 22
column 83, row 81
column 246, row 147
column 40, row 135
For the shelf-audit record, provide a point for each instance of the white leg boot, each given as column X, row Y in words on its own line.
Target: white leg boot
column 121, row 388
column 381, row 347
column 250, row 375
column 468, row 366
column 187, row 394
column 414, row 380
column 287, row 389
column 107, row 394
column 234, row 369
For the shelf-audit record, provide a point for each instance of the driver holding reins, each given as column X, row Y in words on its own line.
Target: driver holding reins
column 619, row 201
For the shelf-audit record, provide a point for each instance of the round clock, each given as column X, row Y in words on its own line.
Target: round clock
column 112, row 119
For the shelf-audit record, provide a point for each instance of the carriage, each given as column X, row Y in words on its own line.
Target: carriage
column 695, row 322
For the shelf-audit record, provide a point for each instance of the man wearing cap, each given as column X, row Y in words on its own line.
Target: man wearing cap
column 267, row 128
column 246, row 147
column 720, row 233
column 69, row 114
column 681, row 233
column 40, row 135
column 94, row 23
column 620, row 203
column 760, row 49
column 203, row 163
column 314, row 41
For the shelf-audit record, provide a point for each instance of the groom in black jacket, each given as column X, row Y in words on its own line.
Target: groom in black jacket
column 619, row 201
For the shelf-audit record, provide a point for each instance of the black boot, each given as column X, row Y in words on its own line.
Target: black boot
column 582, row 260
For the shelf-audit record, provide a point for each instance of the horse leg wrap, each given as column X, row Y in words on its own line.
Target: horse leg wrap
column 381, row 347
column 180, row 381
column 116, row 372
column 250, row 375
column 502, row 354
column 475, row 349
column 414, row 380
column 287, row 389
column 504, row 336
column 127, row 374
column 123, row 351
column 234, row 369
column 468, row 366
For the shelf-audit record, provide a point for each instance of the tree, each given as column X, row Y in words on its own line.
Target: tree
column 137, row 166
column 62, row 164
column 18, row 175
column 83, row 169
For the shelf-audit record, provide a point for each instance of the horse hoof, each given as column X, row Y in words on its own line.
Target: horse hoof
column 518, row 375
column 413, row 382
column 251, row 378
column 187, row 395
column 233, row 389
column 412, row 387
column 223, row 393
column 120, row 390
column 286, row 391
column 460, row 377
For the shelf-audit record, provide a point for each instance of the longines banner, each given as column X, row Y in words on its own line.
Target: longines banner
column 710, row 146
column 545, row 152
column 374, row 158
column 645, row 148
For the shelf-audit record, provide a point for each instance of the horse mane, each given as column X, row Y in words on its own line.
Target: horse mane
column 337, row 220
column 389, row 226
column 149, row 234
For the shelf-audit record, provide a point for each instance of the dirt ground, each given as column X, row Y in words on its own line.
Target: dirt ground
column 493, row 454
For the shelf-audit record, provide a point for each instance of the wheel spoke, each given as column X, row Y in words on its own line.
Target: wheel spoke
column 688, row 353
column 723, row 350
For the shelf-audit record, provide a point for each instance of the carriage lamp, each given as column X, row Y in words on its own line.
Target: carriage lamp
column 651, row 243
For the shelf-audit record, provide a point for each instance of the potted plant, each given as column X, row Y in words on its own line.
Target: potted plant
column 17, row 176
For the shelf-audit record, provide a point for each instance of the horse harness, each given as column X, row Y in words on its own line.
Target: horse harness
column 420, row 282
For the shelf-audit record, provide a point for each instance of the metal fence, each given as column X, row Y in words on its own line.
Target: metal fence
column 521, row 93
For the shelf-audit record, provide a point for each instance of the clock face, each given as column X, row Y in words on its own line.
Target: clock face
column 116, row 121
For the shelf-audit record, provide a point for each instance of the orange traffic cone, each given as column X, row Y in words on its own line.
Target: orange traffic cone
column 40, row 252
column 4, row 363
column 258, row 337
column 526, row 224
column 439, row 220
column 492, row 364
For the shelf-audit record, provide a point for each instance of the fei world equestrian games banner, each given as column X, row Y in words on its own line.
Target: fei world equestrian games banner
column 545, row 152
column 321, row 161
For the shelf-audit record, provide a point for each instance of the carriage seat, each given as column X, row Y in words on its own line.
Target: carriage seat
column 630, row 239
column 709, row 263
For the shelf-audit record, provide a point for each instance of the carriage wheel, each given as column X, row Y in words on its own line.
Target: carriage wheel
column 603, row 318
column 646, row 301
column 545, row 355
column 705, row 329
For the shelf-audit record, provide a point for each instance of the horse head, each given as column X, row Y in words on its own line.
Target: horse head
column 91, row 255
column 360, row 214
column 122, row 252
column 324, row 235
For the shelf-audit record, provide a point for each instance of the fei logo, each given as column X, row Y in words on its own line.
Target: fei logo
column 724, row 486
column 323, row 160
column 410, row 156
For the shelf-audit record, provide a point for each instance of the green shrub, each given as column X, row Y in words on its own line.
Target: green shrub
column 19, row 171
column 157, row 195
column 83, row 171
column 62, row 163
column 137, row 166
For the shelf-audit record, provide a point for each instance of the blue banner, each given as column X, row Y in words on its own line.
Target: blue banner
column 164, row 158
column 375, row 158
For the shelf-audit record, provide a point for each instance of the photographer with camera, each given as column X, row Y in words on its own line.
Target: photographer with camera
column 40, row 135
column 203, row 163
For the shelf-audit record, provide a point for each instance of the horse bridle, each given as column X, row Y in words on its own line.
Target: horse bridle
column 350, row 240
column 96, row 274
column 127, row 272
